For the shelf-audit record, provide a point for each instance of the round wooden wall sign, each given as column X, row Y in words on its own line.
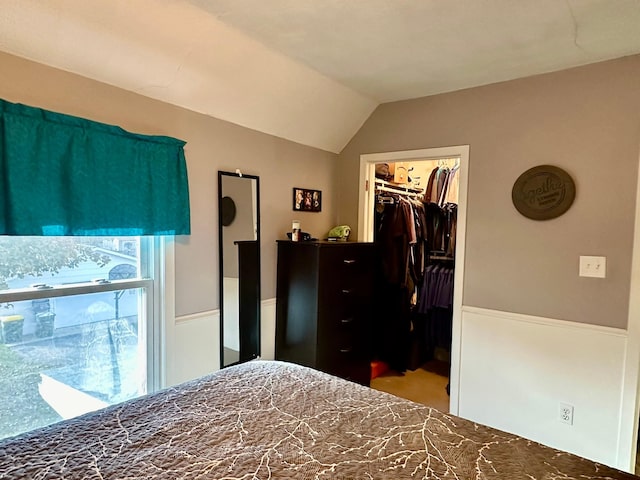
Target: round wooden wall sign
column 543, row 192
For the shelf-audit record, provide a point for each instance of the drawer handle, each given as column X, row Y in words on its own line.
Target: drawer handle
column 345, row 350
column 346, row 320
column 349, row 262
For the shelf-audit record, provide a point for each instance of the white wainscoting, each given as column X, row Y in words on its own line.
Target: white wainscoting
column 196, row 346
column 268, row 329
column 516, row 369
column 196, row 343
column 231, row 288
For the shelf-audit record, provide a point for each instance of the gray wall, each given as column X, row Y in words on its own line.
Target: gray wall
column 585, row 120
column 212, row 145
column 240, row 190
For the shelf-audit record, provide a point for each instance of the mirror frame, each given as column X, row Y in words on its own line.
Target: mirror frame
column 249, row 310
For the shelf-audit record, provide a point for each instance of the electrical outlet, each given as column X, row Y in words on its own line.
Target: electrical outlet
column 565, row 413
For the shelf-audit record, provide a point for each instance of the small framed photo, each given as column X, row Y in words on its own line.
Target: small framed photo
column 306, row 200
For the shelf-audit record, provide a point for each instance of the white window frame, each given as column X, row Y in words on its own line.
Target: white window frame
column 152, row 281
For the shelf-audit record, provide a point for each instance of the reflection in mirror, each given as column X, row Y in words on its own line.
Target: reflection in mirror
column 239, row 241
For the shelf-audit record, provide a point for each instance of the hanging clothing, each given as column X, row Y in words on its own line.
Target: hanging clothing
column 437, row 288
column 442, row 186
column 436, row 186
column 393, row 240
column 400, row 236
column 414, row 309
column 429, row 191
column 451, row 228
column 453, row 190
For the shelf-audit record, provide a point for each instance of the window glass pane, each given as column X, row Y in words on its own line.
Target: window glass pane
column 61, row 357
column 26, row 261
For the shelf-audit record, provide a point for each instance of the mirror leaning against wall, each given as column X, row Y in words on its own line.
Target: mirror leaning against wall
column 239, row 243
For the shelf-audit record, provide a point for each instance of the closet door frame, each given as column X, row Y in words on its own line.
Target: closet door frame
column 366, row 224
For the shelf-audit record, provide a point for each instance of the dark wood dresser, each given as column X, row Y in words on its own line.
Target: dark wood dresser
column 324, row 305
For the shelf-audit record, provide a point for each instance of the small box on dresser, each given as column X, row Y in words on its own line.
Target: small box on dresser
column 324, row 304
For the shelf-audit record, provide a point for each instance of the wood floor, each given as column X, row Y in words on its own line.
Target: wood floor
column 426, row 385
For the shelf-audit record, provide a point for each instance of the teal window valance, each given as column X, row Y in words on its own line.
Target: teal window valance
column 64, row 175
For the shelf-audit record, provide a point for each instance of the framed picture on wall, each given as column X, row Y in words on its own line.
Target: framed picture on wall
column 306, row 200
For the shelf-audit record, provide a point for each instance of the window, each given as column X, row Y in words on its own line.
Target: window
column 76, row 326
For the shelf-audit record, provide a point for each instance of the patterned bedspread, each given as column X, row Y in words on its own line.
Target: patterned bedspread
column 263, row 420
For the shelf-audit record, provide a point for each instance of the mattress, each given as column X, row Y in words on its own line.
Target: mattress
column 275, row 420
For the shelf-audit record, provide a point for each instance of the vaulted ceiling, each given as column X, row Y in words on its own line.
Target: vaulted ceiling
column 312, row 71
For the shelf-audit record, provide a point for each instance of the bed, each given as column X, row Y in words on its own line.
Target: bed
column 275, row 420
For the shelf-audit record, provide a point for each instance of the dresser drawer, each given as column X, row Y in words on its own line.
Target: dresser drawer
column 347, row 360
column 336, row 329
column 344, row 262
column 343, row 342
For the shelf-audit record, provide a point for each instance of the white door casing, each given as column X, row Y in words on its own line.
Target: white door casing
column 366, row 225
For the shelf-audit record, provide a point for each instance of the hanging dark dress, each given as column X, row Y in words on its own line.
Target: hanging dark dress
column 392, row 324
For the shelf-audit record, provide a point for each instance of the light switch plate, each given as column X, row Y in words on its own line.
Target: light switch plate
column 593, row 266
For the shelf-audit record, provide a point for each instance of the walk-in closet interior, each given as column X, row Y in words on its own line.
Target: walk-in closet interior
column 415, row 216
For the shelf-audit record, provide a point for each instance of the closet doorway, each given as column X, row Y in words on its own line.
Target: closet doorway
column 366, row 225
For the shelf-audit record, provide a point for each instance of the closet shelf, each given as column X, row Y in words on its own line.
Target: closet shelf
column 442, row 257
column 384, row 186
